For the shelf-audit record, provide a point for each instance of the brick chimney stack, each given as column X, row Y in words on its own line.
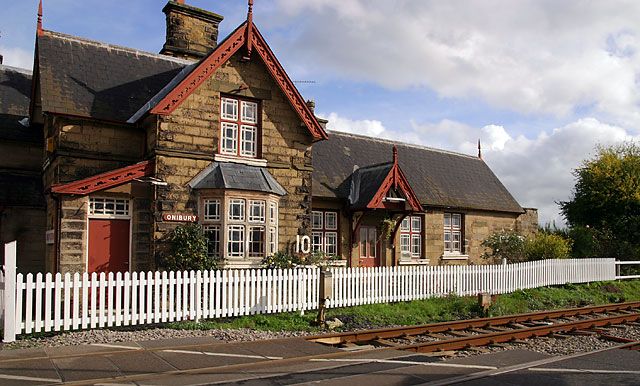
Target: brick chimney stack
column 191, row 32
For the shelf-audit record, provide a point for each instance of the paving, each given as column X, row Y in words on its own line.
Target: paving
column 199, row 361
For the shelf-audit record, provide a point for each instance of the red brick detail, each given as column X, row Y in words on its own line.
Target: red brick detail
column 202, row 72
column 106, row 180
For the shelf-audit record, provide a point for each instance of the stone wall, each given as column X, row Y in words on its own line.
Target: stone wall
column 527, row 223
column 188, row 139
column 73, row 234
column 478, row 225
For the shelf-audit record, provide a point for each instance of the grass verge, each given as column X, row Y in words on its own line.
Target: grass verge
column 436, row 309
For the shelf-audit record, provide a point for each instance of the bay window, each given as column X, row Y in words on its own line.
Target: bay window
column 239, row 127
column 240, row 228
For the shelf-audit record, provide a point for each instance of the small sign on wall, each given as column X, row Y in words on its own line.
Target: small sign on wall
column 177, row 217
column 49, row 236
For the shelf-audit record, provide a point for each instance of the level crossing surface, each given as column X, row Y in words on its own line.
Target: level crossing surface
column 201, row 361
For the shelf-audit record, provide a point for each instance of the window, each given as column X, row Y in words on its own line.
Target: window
column 212, row 233
column 411, row 236
column 240, row 228
column 324, row 234
column 108, row 207
column 236, row 210
column 256, row 242
column 235, row 241
column 239, row 127
column 256, row 211
column 453, row 233
column 212, row 210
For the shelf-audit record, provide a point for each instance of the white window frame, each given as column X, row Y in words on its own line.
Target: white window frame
column 208, row 216
column 244, row 107
column 452, row 230
column 249, row 147
column 223, row 113
column 317, row 215
column 240, row 229
column 411, row 237
column 241, row 204
column 261, row 206
column 103, row 212
column 250, row 240
column 215, row 228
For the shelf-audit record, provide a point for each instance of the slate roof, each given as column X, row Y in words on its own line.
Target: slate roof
column 96, row 80
column 439, row 178
column 365, row 183
column 15, row 90
column 227, row 175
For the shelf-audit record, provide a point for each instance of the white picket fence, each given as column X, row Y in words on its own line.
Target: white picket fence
column 356, row 286
column 46, row 302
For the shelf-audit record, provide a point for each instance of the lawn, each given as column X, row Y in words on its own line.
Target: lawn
column 436, row 309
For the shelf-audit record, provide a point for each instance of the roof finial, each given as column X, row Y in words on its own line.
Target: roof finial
column 249, row 36
column 39, row 25
column 479, row 149
column 395, row 154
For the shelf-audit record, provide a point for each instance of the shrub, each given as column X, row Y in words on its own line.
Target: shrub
column 286, row 260
column 504, row 245
column 547, row 246
column 281, row 260
column 188, row 250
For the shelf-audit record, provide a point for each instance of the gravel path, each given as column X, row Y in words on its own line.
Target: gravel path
column 112, row 336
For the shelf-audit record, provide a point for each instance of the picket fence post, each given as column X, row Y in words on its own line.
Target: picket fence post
column 9, row 303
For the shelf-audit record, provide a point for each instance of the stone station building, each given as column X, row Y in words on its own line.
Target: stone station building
column 128, row 144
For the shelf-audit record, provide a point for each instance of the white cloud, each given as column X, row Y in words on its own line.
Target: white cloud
column 368, row 127
column 537, row 171
column 526, row 56
column 16, row 57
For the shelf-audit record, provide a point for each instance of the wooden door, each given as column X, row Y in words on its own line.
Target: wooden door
column 108, row 245
column 368, row 247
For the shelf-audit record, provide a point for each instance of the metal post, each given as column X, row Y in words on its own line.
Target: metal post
column 10, row 292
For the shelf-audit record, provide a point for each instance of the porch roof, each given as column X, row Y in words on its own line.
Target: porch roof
column 228, row 175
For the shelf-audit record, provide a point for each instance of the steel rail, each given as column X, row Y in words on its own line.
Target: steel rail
column 524, row 333
column 398, row 332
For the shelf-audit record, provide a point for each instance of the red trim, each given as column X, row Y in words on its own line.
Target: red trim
column 201, row 73
column 397, row 179
column 225, row 51
column 39, row 22
column 105, row 180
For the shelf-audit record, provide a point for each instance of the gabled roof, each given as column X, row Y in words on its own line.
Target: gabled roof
column 106, row 180
column 371, row 187
column 247, row 34
column 227, row 175
column 439, row 178
column 91, row 79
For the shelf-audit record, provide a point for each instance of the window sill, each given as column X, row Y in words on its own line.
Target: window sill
column 236, row 263
column 414, row 262
column 337, row 263
column 239, row 160
column 453, row 256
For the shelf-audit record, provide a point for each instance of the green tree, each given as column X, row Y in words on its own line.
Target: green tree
column 605, row 208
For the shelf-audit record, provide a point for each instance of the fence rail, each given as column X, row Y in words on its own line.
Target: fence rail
column 46, row 302
column 356, row 286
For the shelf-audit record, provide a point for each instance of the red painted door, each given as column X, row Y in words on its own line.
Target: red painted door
column 108, row 245
column 368, row 246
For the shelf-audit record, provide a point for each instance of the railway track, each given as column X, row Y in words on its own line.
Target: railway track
column 458, row 335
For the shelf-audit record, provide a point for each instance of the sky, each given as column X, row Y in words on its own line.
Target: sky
column 541, row 83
